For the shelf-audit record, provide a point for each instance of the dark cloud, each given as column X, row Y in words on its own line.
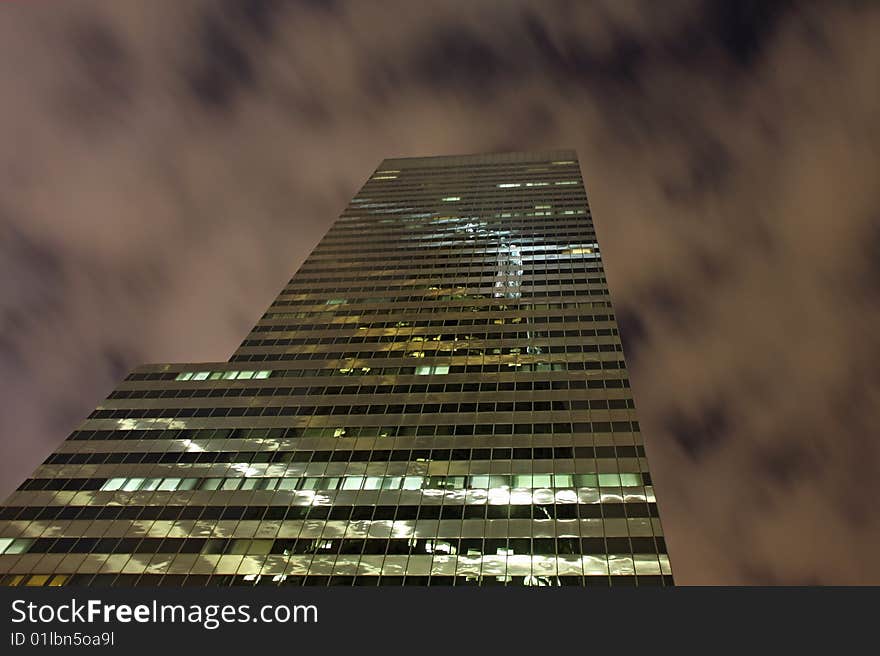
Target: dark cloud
column 105, row 78
column 454, row 57
column 744, row 29
column 708, row 166
column 261, row 16
column 223, row 65
column 633, row 333
column 698, row 432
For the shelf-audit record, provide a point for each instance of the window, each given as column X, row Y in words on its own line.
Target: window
column 17, row 546
column 609, row 480
column 437, row 369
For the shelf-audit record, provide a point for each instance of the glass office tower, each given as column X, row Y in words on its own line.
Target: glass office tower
column 437, row 397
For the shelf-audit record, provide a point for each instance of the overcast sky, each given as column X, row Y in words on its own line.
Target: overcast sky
column 166, row 166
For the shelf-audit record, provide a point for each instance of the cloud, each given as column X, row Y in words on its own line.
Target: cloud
column 164, row 176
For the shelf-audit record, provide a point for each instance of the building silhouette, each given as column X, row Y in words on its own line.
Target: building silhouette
column 437, row 397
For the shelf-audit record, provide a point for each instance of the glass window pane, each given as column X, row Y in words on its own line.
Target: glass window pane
column 562, row 480
column 412, row 483
column 352, row 482
column 522, row 480
column 541, row 480
column 19, row 546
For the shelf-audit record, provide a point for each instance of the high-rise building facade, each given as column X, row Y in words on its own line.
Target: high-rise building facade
column 437, row 397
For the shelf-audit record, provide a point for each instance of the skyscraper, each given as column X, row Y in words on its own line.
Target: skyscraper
column 437, row 397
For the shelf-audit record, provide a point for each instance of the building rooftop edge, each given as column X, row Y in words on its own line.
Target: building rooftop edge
column 481, row 158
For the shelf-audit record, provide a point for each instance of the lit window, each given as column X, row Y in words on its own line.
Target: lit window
column 169, row 484
column 392, row 482
column 630, row 480
column 609, row 480
column 352, row 482
column 202, row 375
column 113, row 484
column 478, row 482
column 262, row 374
column 541, row 480
column 562, row 480
column 437, row 369
column 229, row 375
column 507, row 185
column 186, row 375
column 450, row 199
column 58, row 580
column 18, row 546
column 412, row 483
column 132, row 484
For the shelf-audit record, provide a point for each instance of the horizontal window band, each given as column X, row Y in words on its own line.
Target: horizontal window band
column 342, row 512
column 376, row 455
column 469, row 547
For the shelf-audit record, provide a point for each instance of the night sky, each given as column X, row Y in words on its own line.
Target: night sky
column 165, row 167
